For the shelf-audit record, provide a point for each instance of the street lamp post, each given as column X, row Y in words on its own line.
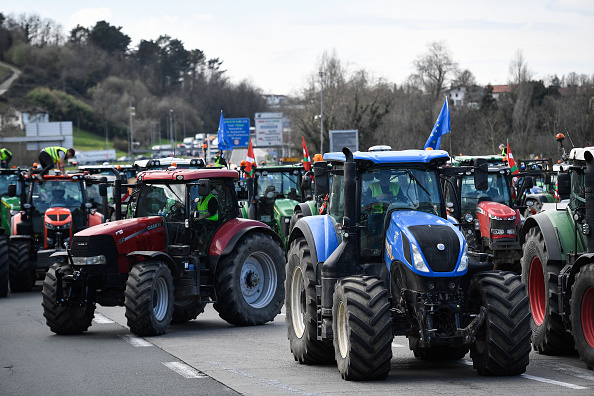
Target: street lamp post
column 132, row 113
column 171, row 130
column 322, row 113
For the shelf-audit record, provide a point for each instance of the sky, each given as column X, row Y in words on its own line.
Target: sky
column 278, row 45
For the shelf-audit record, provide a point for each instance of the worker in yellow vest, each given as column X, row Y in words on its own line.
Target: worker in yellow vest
column 5, row 157
column 49, row 157
column 384, row 189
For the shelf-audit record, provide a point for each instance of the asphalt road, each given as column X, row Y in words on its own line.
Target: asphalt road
column 220, row 359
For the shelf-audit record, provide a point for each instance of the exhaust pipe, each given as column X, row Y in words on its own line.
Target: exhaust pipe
column 344, row 261
column 589, row 196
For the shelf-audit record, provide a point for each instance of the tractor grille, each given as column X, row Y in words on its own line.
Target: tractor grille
column 503, row 224
column 95, row 245
column 54, row 217
column 429, row 237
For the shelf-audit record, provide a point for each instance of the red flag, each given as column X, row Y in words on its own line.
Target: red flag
column 511, row 162
column 249, row 159
column 306, row 159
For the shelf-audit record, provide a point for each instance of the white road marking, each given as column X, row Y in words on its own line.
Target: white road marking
column 135, row 341
column 550, row 381
column 268, row 382
column 397, row 345
column 576, row 372
column 101, row 319
column 184, row 370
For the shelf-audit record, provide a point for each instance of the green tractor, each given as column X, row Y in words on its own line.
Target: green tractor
column 274, row 193
column 558, row 264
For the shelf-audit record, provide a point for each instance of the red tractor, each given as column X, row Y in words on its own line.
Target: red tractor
column 50, row 213
column 184, row 248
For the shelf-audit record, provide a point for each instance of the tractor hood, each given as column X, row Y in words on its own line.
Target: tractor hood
column 428, row 244
column 495, row 210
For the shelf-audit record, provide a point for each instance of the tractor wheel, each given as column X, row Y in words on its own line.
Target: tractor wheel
column 302, row 308
column 437, row 353
column 63, row 320
column 295, row 216
column 187, row 309
column 582, row 314
column 21, row 277
column 149, row 298
column 3, row 266
column 249, row 281
column 540, row 277
column 502, row 342
column 362, row 328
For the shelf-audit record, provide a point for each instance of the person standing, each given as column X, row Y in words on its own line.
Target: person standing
column 219, row 161
column 5, row 157
column 49, row 157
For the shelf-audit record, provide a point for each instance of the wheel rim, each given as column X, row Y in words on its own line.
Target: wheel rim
column 343, row 338
column 258, row 280
column 298, row 303
column 536, row 291
column 160, row 299
column 587, row 315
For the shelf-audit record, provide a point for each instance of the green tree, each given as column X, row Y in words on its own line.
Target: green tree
column 109, row 38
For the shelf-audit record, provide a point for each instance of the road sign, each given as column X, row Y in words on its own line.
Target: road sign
column 238, row 131
column 269, row 129
column 346, row 138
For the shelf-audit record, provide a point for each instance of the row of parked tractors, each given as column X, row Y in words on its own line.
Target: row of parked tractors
column 384, row 243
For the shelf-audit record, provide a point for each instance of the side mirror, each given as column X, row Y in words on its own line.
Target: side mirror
column 306, row 183
column 528, row 183
column 203, row 187
column 564, row 184
column 12, row 190
column 103, row 190
column 481, row 174
column 321, row 177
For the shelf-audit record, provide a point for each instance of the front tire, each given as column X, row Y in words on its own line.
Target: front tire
column 302, row 308
column 149, row 298
column 3, row 266
column 20, row 274
column 502, row 342
column 249, row 281
column 63, row 320
column 582, row 314
column 540, row 277
column 362, row 328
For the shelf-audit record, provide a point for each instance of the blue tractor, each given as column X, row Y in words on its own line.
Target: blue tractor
column 385, row 261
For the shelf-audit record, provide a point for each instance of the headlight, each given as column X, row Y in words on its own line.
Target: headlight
column 511, row 231
column 468, row 217
column 464, row 260
column 67, row 225
column 497, row 231
column 50, row 226
column 418, row 259
column 493, row 217
column 94, row 260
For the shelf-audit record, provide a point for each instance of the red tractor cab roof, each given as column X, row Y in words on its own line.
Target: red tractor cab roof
column 186, row 175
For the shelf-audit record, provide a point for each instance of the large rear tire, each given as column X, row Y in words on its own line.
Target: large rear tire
column 63, row 320
column 20, row 274
column 3, row 266
column 502, row 342
column 295, row 217
column 188, row 309
column 149, row 298
column 302, row 308
column 249, row 281
column 540, row 275
column 362, row 328
column 582, row 314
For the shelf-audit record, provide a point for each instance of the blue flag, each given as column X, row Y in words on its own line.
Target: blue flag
column 442, row 126
column 222, row 135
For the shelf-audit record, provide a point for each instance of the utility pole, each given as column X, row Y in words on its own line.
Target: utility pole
column 322, row 113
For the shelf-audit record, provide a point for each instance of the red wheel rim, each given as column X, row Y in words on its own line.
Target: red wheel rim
column 588, row 316
column 536, row 291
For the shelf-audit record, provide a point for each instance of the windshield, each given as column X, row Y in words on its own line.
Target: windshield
column 578, row 190
column 57, row 193
column 160, row 199
column 5, row 180
column 498, row 191
column 285, row 183
column 415, row 189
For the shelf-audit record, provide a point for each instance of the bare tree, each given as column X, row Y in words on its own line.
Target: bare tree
column 435, row 68
column 465, row 78
column 518, row 69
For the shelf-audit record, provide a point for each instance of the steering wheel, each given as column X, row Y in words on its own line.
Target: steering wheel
column 175, row 211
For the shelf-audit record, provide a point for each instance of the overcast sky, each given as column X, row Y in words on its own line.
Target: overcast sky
column 276, row 45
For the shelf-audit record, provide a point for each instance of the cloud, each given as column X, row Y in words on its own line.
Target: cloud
column 87, row 17
column 582, row 7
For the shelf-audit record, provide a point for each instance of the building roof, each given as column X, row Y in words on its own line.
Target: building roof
column 501, row 88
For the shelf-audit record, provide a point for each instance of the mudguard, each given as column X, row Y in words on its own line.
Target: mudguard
column 400, row 221
column 307, row 208
column 156, row 255
column 227, row 236
column 552, row 224
column 320, row 234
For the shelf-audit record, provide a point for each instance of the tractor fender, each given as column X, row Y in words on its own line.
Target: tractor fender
column 320, row 234
column 584, row 259
column 142, row 255
column 230, row 233
column 542, row 221
column 304, row 208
